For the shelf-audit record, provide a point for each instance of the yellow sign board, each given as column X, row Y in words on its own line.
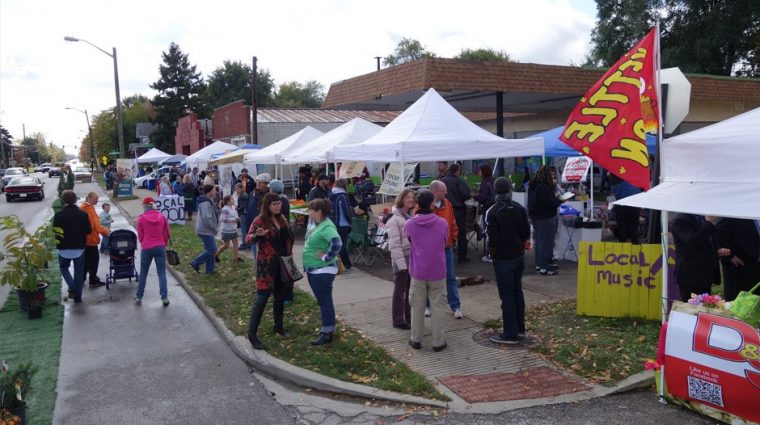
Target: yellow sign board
column 620, row 279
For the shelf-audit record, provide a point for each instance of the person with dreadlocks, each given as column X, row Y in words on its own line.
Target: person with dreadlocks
column 542, row 209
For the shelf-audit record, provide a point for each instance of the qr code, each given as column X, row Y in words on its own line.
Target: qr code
column 705, row 391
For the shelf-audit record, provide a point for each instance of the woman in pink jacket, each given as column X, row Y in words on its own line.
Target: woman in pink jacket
column 398, row 243
column 153, row 233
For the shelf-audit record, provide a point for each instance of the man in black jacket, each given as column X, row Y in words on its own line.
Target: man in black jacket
column 739, row 244
column 321, row 190
column 76, row 226
column 696, row 254
column 508, row 237
column 457, row 194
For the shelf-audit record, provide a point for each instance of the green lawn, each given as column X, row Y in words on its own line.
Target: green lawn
column 600, row 349
column 37, row 341
column 351, row 357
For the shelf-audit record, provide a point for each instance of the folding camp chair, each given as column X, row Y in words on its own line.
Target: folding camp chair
column 365, row 246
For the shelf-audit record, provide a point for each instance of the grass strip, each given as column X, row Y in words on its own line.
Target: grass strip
column 603, row 350
column 37, row 341
column 351, row 357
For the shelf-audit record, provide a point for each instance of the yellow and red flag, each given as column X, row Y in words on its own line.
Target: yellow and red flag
column 609, row 123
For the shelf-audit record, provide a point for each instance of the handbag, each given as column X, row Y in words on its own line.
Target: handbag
column 746, row 306
column 341, row 267
column 171, row 255
column 289, row 269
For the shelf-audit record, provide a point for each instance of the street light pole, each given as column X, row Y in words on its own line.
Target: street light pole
column 89, row 131
column 119, row 122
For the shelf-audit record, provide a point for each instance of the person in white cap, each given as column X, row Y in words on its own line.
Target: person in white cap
column 252, row 209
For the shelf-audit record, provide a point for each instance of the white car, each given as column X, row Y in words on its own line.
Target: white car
column 153, row 175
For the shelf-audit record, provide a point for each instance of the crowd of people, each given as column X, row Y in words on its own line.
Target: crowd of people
column 426, row 234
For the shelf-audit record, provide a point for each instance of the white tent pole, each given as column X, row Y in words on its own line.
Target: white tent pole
column 592, row 190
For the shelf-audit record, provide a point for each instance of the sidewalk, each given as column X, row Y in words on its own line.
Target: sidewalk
column 127, row 364
column 479, row 376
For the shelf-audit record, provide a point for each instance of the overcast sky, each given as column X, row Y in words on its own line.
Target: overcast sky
column 323, row 40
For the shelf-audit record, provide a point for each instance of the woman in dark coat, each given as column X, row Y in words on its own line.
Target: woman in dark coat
column 696, row 254
column 542, row 209
column 271, row 233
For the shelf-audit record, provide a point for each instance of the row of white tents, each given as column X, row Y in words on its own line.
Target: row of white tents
column 707, row 171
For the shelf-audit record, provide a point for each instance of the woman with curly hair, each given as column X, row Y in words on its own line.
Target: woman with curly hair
column 271, row 233
column 542, row 209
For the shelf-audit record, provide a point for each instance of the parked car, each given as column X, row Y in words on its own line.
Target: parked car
column 83, row 174
column 25, row 187
column 12, row 173
column 54, row 171
column 43, row 168
column 153, row 175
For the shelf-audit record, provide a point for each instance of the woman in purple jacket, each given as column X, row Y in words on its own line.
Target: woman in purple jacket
column 427, row 234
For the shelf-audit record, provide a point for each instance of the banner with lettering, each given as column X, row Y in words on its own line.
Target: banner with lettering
column 712, row 363
column 172, row 207
column 350, row 169
column 576, row 169
column 611, row 119
column 392, row 184
column 620, row 279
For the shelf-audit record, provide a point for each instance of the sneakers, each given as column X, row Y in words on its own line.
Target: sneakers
column 414, row 344
column 440, row 348
column 138, row 301
column 499, row 339
column 458, row 313
column 427, row 312
column 196, row 268
column 165, row 301
column 486, row 259
column 548, row 272
column 96, row 283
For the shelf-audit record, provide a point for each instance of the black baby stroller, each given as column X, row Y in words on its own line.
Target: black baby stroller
column 122, row 244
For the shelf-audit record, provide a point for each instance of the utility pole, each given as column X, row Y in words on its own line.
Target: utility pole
column 254, row 106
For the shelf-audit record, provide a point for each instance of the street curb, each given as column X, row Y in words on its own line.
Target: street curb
column 279, row 369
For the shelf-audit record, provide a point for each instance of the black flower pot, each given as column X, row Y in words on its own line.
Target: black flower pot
column 27, row 298
column 35, row 312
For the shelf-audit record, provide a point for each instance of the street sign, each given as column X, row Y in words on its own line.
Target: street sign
column 679, row 94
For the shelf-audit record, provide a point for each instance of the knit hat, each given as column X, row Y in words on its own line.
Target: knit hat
column 264, row 177
column 276, row 186
column 502, row 186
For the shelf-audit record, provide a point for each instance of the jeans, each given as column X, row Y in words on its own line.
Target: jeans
column 209, row 246
column 321, row 285
column 343, row 232
column 244, row 225
column 104, row 244
column 460, row 215
column 75, row 284
column 452, row 290
column 158, row 254
column 545, row 229
column 509, row 283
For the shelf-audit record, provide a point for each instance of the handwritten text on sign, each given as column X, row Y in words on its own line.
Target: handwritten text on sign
column 620, row 280
column 172, row 207
column 576, row 169
column 392, row 184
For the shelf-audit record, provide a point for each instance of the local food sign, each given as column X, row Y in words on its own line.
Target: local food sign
column 713, row 363
column 392, row 184
column 620, row 279
column 172, row 207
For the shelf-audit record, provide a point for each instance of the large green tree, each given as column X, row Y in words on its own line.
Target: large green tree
column 407, row 50
column 297, row 95
column 232, row 81
column 484, row 55
column 5, row 142
column 180, row 90
column 136, row 109
column 720, row 37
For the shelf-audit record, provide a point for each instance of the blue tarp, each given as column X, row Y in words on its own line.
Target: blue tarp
column 247, row 146
column 174, row 159
column 556, row 147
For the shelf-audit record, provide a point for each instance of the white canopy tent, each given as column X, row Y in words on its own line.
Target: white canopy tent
column 710, row 171
column 152, row 156
column 321, row 149
column 432, row 130
column 201, row 158
column 273, row 153
column 234, row 157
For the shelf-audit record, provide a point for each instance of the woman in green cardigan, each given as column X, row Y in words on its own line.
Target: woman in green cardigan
column 320, row 262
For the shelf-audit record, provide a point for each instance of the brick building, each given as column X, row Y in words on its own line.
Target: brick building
column 232, row 123
column 192, row 134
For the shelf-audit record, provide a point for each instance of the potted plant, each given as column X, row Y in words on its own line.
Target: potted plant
column 14, row 387
column 35, row 309
column 26, row 255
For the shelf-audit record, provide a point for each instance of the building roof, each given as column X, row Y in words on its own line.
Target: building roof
column 301, row 115
column 526, row 87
